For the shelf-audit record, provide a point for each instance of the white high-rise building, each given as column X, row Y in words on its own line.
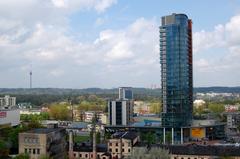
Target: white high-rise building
column 7, row 102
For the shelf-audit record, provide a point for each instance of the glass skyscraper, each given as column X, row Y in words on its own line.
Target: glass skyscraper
column 176, row 70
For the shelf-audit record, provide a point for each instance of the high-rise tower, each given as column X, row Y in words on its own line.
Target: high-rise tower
column 176, row 70
column 30, row 74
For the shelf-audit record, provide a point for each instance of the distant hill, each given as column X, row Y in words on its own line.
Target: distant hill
column 66, row 91
column 217, row 89
column 146, row 91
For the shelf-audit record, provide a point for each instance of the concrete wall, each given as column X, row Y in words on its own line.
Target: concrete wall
column 11, row 116
column 30, row 141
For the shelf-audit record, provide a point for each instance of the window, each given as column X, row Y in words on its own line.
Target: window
column 34, row 151
column 175, row 157
column 91, row 155
column 38, row 151
column 110, row 144
column 74, row 154
column 116, row 150
column 86, row 155
column 122, row 150
column 25, row 150
column 29, row 151
column 122, row 144
column 129, row 150
column 80, row 155
column 116, row 144
column 110, row 150
column 104, row 157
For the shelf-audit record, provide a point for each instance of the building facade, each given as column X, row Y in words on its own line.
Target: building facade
column 9, row 113
column 121, row 144
column 125, row 93
column 176, row 70
column 7, row 101
column 43, row 142
column 120, row 112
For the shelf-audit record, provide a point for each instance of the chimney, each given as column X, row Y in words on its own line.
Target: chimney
column 70, row 152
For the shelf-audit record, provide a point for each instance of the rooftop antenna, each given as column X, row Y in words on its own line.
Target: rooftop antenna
column 30, row 73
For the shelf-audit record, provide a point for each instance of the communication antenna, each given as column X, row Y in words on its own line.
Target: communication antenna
column 30, row 73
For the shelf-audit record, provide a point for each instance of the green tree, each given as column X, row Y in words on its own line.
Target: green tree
column 22, row 156
column 216, row 107
column 168, row 137
column 151, row 138
column 59, row 112
column 4, row 150
column 155, row 107
column 98, row 137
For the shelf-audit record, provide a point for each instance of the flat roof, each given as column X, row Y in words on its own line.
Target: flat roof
column 43, row 130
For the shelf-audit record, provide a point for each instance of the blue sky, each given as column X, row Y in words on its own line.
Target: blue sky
column 112, row 43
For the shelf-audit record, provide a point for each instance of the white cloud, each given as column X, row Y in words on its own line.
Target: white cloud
column 223, row 43
column 53, row 53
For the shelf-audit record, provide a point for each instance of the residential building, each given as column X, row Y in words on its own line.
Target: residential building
column 7, row 101
column 233, row 120
column 120, row 112
column 176, row 70
column 141, row 107
column 231, row 108
column 85, row 151
column 9, row 113
column 125, row 93
column 43, row 142
column 121, row 144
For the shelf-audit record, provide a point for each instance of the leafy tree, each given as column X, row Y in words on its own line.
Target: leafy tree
column 98, row 138
column 4, row 150
column 151, row 138
column 22, row 156
column 59, row 112
column 216, row 107
column 168, row 137
column 155, row 107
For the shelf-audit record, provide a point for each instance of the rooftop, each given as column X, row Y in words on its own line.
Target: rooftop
column 208, row 150
column 44, row 130
column 125, row 135
column 87, row 147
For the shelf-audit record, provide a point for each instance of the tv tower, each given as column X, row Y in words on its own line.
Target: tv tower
column 30, row 73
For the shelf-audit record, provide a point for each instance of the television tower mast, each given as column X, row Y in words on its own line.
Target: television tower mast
column 30, row 73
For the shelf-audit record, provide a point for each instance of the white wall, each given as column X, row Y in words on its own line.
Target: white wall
column 11, row 116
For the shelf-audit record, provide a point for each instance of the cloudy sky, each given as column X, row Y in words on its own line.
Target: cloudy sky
column 111, row 43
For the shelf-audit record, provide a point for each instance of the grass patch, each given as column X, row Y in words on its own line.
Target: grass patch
column 81, row 138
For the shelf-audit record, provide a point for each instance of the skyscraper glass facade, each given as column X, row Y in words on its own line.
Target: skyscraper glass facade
column 176, row 70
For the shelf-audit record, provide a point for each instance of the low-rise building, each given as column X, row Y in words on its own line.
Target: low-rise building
column 233, row 120
column 9, row 113
column 122, row 144
column 43, row 142
column 89, row 115
column 85, row 151
column 194, row 151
